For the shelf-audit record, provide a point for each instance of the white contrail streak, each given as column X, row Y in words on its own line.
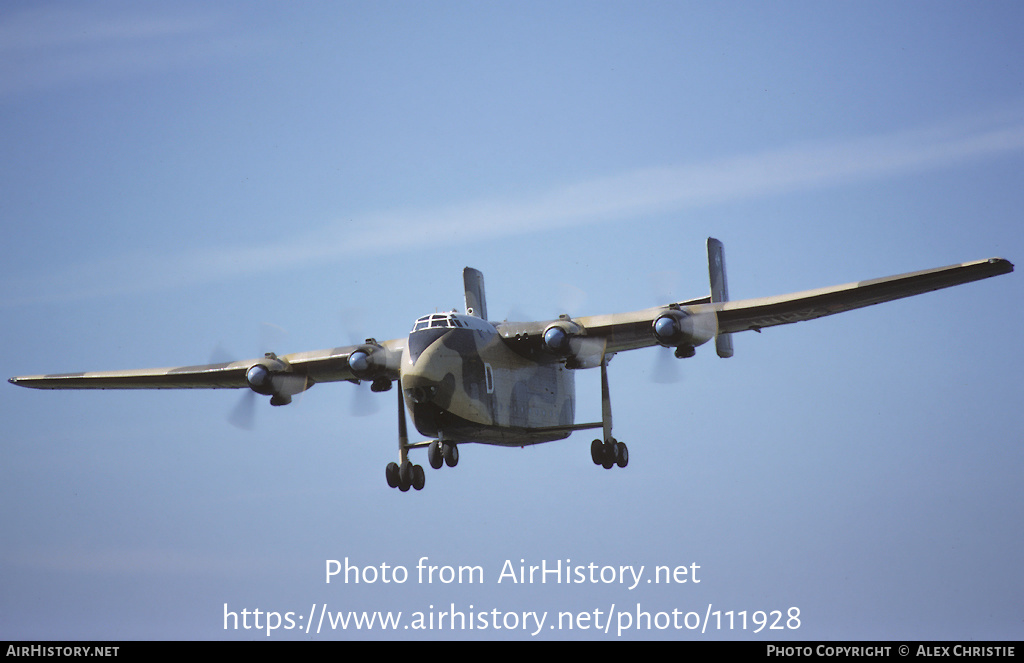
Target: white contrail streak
column 618, row 197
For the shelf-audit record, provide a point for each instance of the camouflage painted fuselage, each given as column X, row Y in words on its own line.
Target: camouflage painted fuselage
column 461, row 381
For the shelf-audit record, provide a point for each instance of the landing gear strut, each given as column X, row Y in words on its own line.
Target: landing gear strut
column 611, row 451
column 404, row 475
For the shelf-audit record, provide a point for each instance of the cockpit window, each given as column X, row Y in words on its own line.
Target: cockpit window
column 435, row 321
column 448, row 321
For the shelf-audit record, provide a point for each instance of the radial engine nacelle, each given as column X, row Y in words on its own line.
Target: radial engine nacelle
column 569, row 340
column 370, row 362
column 559, row 336
column 274, row 377
column 684, row 331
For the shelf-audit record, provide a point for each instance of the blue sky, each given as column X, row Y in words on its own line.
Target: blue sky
column 179, row 179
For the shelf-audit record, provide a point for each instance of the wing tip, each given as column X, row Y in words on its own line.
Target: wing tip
column 1002, row 264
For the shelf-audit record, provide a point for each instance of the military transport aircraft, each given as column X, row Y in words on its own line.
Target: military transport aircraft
column 464, row 379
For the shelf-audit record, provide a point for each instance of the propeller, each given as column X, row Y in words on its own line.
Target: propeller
column 362, row 403
column 666, row 367
column 571, row 299
column 588, row 350
column 680, row 328
column 243, row 414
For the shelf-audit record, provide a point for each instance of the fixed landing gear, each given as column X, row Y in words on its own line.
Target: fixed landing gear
column 405, row 476
column 611, row 451
column 608, row 453
column 442, row 453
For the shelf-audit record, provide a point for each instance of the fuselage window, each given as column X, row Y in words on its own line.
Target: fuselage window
column 488, row 378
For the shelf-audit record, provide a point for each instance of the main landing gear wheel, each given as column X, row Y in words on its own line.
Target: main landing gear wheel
column 442, row 453
column 391, row 472
column 451, row 454
column 609, row 453
column 621, row 454
column 405, row 476
column 435, row 455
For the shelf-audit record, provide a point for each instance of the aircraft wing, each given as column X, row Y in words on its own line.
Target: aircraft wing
column 694, row 322
column 288, row 374
column 770, row 311
column 581, row 342
column 211, row 376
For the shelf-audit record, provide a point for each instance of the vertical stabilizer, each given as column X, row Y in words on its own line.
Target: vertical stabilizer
column 719, row 289
column 476, row 303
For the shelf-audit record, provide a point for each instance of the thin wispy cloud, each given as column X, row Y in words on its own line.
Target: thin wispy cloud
column 45, row 48
column 620, row 197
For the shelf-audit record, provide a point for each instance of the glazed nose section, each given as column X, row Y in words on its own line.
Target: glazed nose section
column 420, row 340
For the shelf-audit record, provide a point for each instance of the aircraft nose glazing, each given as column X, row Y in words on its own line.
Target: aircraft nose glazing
column 423, row 339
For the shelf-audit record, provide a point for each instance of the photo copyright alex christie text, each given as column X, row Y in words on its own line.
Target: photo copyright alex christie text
column 560, row 571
